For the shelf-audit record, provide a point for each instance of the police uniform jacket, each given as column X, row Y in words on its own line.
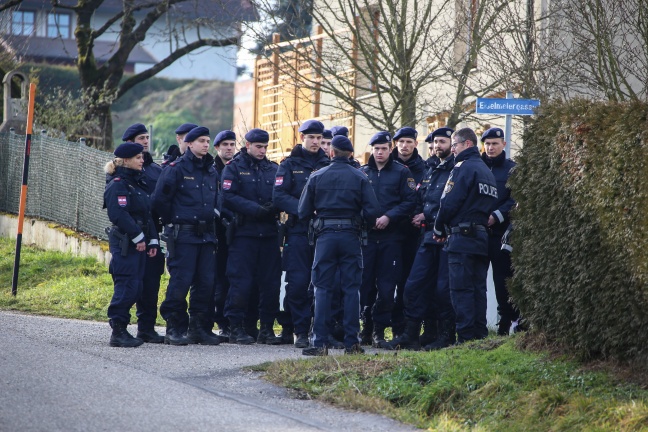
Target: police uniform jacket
column 291, row 178
column 224, row 213
column 173, row 153
column 395, row 190
column 186, row 195
column 468, row 199
column 437, row 177
column 247, row 185
column 129, row 206
column 416, row 165
column 339, row 191
column 501, row 168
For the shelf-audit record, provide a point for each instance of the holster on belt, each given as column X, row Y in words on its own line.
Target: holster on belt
column 170, row 241
column 311, row 232
column 124, row 241
column 281, row 228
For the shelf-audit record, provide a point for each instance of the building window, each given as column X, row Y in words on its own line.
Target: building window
column 22, row 22
column 58, row 25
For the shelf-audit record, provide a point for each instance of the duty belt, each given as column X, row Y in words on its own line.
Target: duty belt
column 329, row 222
column 207, row 228
column 455, row 230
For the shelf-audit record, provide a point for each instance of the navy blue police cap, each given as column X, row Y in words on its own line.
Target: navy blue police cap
column 196, row 133
column 444, row 132
column 405, row 132
column 492, row 133
column 224, row 135
column 184, row 128
column 382, row 137
column 133, row 131
column 340, row 130
column 257, row 135
column 128, row 150
column 313, row 127
column 327, row 134
column 341, row 142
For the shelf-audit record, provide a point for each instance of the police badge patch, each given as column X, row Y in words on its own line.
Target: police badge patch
column 448, row 187
column 122, row 201
column 227, row 184
column 411, row 183
column 278, row 181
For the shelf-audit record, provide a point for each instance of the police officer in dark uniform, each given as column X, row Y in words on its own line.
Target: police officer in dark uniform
column 297, row 257
column 469, row 197
column 132, row 233
column 254, row 261
column 406, row 153
column 340, row 196
column 176, row 150
column 225, row 145
column 427, row 291
column 495, row 158
column 344, row 131
column 186, row 198
column 325, row 145
column 147, row 303
column 395, row 189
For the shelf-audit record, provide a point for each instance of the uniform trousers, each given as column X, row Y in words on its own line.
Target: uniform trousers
column 127, row 273
column 468, row 274
column 147, row 304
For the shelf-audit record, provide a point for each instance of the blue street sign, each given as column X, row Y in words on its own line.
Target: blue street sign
column 507, row 106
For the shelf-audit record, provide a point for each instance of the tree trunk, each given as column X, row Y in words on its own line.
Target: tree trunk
column 101, row 137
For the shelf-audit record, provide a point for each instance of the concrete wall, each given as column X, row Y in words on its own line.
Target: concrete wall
column 42, row 234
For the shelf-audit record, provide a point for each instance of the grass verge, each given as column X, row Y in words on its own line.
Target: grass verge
column 57, row 283
column 489, row 385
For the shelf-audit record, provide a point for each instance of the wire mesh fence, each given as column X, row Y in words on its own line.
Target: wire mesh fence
column 66, row 181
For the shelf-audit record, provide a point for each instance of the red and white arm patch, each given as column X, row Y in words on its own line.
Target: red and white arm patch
column 279, row 181
column 227, row 184
column 122, row 201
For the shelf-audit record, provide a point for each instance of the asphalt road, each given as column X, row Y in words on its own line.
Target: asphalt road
column 61, row 375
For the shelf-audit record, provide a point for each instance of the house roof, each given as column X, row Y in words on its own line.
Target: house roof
column 42, row 48
column 224, row 11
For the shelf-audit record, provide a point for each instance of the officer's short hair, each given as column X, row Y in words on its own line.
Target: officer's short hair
column 466, row 134
column 341, row 153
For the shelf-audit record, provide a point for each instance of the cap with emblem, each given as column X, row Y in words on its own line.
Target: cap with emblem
column 405, row 132
column 196, row 133
column 184, row 128
column 327, row 134
column 128, row 150
column 133, row 131
column 224, row 135
column 257, row 135
column 341, row 142
column 382, row 137
column 492, row 133
column 340, row 130
column 444, row 132
column 314, row 127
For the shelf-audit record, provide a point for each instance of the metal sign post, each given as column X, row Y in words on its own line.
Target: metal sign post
column 23, row 189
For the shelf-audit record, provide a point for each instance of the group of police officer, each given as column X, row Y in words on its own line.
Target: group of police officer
column 399, row 242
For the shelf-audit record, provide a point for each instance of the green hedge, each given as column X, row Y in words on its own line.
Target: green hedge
column 581, row 230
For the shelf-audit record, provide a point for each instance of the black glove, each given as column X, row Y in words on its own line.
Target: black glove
column 266, row 212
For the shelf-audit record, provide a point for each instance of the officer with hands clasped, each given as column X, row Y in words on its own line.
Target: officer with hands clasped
column 132, row 237
column 427, row 287
column 469, row 197
column 147, row 304
column 254, row 262
column 185, row 198
column 339, row 197
column 297, row 258
column 498, row 222
column 395, row 189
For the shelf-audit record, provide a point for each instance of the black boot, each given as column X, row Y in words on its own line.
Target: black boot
column 430, row 332
column 252, row 330
column 504, row 326
column 149, row 335
column 301, row 341
column 267, row 335
column 287, row 335
column 378, row 337
column 333, row 343
column 239, row 336
column 446, row 337
column 120, row 336
column 367, row 326
column 174, row 334
column 198, row 333
column 409, row 339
